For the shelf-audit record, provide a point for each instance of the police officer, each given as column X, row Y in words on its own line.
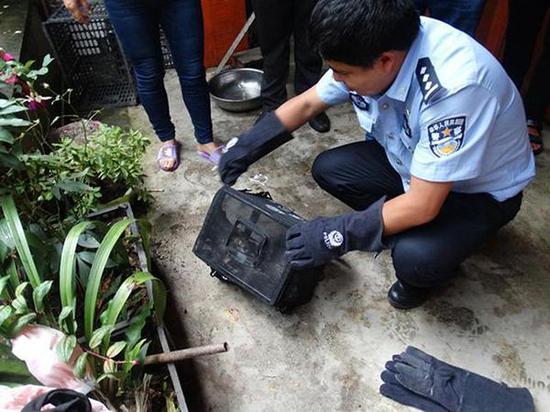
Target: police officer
column 445, row 158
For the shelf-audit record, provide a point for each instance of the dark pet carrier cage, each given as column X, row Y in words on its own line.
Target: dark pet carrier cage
column 243, row 241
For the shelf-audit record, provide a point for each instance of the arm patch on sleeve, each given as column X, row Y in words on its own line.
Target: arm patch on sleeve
column 427, row 79
column 446, row 136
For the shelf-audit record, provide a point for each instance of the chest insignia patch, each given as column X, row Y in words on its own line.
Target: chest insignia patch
column 446, row 136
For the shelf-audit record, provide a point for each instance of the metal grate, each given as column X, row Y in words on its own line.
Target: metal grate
column 166, row 53
column 91, row 59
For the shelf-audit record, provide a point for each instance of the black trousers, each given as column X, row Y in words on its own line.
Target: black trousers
column 276, row 21
column 359, row 173
column 524, row 24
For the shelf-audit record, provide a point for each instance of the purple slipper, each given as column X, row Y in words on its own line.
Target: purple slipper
column 213, row 157
column 169, row 151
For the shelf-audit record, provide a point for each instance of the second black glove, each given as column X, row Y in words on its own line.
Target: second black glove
column 314, row 243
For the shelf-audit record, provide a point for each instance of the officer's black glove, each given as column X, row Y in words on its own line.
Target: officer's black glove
column 318, row 241
column 264, row 137
column 452, row 388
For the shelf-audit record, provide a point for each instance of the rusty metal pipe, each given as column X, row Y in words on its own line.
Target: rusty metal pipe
column 178, row 355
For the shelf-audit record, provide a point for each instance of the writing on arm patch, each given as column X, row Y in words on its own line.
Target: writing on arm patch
column 427, row 79
column 446, row 136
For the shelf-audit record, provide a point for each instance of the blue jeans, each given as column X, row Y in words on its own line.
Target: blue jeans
column 461, row 14
column 136, row 23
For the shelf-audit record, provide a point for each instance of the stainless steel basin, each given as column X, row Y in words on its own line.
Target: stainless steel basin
column 237, row 90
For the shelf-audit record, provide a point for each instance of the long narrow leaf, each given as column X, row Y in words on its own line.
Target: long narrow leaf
column 5, row 313
column 6, row 136
column 4, row 280
column 10, row 161
column 6, row 103
column 67, row 265
column 39, row 293
column 21, row 323
column 16, row 229
column 14, row 121
column 98, row 335
column 12, row 109
column 115, row 349
column 96, row 273
column 66, row 320
column 3, row 251
column 81, row 365
column 5, row 234
column 121, row 297
column 159, row 300
column 12, row 272
column 119, row 300
column 65, row 347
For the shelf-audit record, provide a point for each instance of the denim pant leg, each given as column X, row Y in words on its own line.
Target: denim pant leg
column 136, row 24
column 461, row 14
column 181, row 21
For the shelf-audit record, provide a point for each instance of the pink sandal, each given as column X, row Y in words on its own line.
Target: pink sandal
column 169, row 151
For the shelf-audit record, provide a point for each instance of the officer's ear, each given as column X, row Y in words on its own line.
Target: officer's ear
column 390, row 61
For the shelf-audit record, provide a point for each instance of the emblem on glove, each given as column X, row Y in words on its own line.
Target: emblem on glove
column 333, row 239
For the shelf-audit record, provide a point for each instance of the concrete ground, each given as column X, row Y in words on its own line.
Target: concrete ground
column 328, row 355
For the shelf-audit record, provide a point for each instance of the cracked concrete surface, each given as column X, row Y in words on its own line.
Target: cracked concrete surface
column 494, row 319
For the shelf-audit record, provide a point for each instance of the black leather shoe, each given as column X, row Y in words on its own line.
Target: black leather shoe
column 320, row 123
column 402, row 296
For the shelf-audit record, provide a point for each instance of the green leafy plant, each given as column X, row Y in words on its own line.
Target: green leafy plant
column 30, row 299
column 72, row 276
column 60, row 175
column 9, row 126
column 20, row 115
column 82, row 174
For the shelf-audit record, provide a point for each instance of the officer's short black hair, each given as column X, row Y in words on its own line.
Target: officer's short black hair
column 356, row 32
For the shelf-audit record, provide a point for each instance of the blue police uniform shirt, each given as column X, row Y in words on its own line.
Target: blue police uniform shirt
column 452, row 114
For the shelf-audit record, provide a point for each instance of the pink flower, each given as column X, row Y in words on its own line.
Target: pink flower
column 36, row 102
column 35, row 105
column 6, row 56
column 12, row 80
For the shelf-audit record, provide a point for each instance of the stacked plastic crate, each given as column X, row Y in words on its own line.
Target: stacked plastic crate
column 91, row 59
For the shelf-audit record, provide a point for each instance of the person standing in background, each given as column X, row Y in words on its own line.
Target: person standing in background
column 137, row 23
column 520, row 43
column 463, row 15
column 277, row 21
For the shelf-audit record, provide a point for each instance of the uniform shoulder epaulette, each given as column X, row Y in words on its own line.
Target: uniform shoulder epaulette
column 427, row 79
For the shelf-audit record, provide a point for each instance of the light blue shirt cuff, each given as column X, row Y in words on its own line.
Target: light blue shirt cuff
column 330, row 91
